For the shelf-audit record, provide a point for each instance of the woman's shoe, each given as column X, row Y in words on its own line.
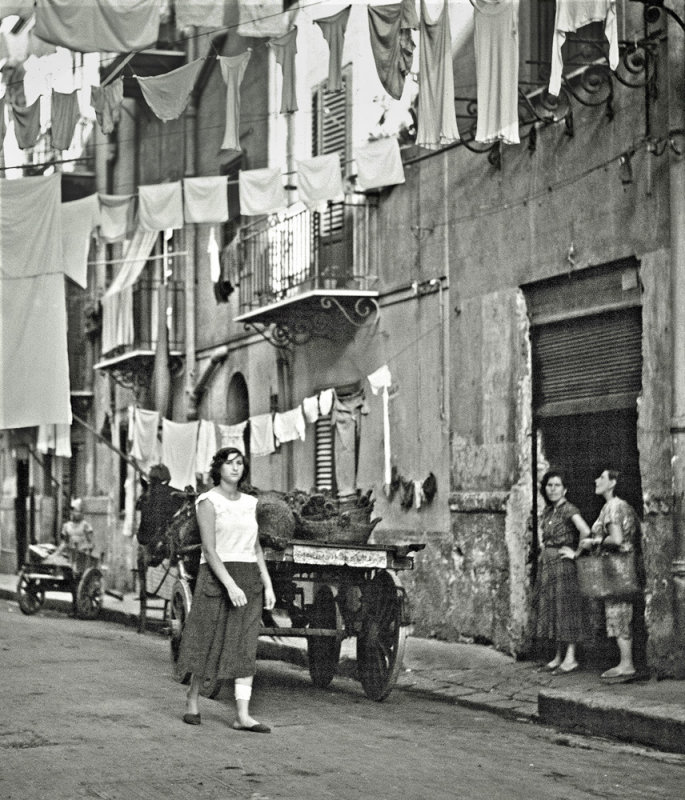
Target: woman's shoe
column 561, row 670
column 192, row 719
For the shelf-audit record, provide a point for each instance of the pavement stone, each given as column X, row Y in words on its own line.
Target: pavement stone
column 646, row 712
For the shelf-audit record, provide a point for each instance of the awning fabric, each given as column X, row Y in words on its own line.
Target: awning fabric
column 117, row 302
column 34, row 368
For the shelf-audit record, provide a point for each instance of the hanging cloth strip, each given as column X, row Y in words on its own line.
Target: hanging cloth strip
column 206, row 447
column 233, row 436
column 310, row 408
column 289, row 425
column 390, row 28
column 179, row 446
column 381, row 381
column 496, row 41
column 199, row 13
column 79, row 220
column 379, row 164
column 65, row 116
column 110, row 26
column 233, row 69
column 56, row 438
column 2, row 124
column 145, row 442
column 106, row 102
column 27, row 124
column 326, row 400
column 214, row 260
column 261, row 191
column 285, row 49
column 34, row 368
column 205, row 199
column 319, row 180
column 572, row 15
column 262, row 435
column 168, row 94
column 264, row 18
column 437, row 117
column 160, row 206
column 116, row 216
column 333, row 29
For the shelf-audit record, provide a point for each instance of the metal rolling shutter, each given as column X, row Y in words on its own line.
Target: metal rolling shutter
column 323, row 468
column 588, row 364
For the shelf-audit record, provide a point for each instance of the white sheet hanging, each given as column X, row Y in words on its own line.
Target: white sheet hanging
column 379, row 164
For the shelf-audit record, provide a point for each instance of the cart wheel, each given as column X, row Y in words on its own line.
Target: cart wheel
column 178, row 608
column 323, row 651
column 29, row 595
column 380, row 645
column 89, row 594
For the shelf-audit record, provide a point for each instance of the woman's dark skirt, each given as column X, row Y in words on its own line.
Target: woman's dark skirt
column 557, row 601
column 219, row 639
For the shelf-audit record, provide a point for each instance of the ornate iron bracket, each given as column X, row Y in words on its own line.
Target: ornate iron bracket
column 299, row 327
column 653, row 9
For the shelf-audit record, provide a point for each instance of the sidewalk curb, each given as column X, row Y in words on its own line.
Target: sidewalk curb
column 606, row 715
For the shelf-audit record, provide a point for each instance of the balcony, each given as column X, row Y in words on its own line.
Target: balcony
column 302, row 273
column 131, row 364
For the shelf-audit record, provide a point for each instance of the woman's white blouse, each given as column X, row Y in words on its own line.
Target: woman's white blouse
column 235, row 526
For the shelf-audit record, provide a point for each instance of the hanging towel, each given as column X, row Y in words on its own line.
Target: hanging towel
column 206, row 447
column 392, row 44
column 233, row 69
column 110, row 26
column 437, row 117
column 199, row 13
column 333, row 30
column 27, row 124
column 214, row 260
column 380, row 381
column 319, row 180
column 310, row 408
column 34, row 368
column 264, row 18
column 261, row 191
column 106, row 102
column 285, row 49
column 572, row 15
column 56, row 438
column 326, row 398
column 262, row 435
column 205, row 199
column 496, row 41
column 233, row 436
column 15, row 46
column 145, row 439
column 168, row 94
column 79, row 220
column 179, row 444
column 289, row 425
column 160, row 206
column 116, row 216
column 65, row 116
column 379, row 164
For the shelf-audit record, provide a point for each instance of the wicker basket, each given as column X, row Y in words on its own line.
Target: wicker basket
column 333, row 531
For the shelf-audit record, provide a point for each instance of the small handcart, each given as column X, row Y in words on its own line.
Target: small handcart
column 327, row 592
column 48, row 570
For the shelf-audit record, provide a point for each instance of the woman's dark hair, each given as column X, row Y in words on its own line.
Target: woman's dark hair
column 551, row 473
column 614, row 475
column 220, row 458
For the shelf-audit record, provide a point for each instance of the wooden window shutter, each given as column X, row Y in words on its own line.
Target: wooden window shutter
column 323, row 468
column 331, row 121
column 588, row 364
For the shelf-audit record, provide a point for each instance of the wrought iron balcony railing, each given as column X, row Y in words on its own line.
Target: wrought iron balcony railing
column 288, row 255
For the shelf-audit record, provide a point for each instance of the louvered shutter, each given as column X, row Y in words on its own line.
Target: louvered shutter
column 323, row 468
column 588, row 364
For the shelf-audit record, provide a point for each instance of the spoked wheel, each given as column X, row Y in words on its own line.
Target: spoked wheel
column 29, row 595
column 323, row 651
column 178, row 608
column 89, row 594
column 380, row 645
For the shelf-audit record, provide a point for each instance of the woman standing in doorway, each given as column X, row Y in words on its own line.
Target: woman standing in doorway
column 558, row 601
column 616, row 530
column 220, row 635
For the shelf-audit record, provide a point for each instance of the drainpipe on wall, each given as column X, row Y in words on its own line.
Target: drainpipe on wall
column 195, row 396
column 285, row 401
column 676, row 119
column 191, row 242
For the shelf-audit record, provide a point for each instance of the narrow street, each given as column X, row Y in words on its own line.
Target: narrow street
column 90, row 711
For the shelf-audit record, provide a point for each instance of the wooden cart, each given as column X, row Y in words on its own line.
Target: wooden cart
column 329, row 592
